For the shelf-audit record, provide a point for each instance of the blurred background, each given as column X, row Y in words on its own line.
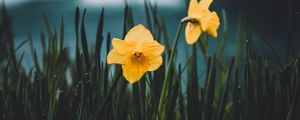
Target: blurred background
column 48, row 81
column 274, row 19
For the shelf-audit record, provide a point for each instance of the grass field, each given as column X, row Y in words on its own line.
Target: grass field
column 247, row 86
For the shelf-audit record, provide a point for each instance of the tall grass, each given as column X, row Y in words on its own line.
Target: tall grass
column 243, row 87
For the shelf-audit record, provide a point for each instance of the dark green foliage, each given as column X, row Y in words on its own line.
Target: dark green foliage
column 244, row 87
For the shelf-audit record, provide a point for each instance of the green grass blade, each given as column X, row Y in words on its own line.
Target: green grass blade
column 34, row 55
column 210, row 94
column 109, row 95
column 168, row 70
column 84, row 42
column 21, row 44
column 136, row 101
column 62, row 33
column 99, row 37
column 223, row 100
column 236, row 96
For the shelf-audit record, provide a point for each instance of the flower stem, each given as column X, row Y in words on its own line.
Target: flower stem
column 166, row 79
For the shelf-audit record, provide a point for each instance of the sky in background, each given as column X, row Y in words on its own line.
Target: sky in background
column 267, row 17
column 96, row 3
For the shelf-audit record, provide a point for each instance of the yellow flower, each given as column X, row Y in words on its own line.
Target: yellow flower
column 200, row 19
column 137, row 54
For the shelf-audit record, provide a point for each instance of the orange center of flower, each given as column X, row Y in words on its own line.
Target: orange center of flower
column 138, row 62
column 138, row 55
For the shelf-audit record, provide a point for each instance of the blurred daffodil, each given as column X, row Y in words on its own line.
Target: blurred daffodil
column 200, row 19
column 137, row 54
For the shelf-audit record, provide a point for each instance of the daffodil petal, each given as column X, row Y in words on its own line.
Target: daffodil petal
column 193, row 10
column 152, row 47
column 192, row 33
column 121, row 46
column 130, row 75
column 205, row 20
column 204, row 4
column 155, row 63
column 114, row 57
column 138, row 34
column 214, row 24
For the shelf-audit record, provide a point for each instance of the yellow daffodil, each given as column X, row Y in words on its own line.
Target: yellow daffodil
column 137, row 54
column 200, row 19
